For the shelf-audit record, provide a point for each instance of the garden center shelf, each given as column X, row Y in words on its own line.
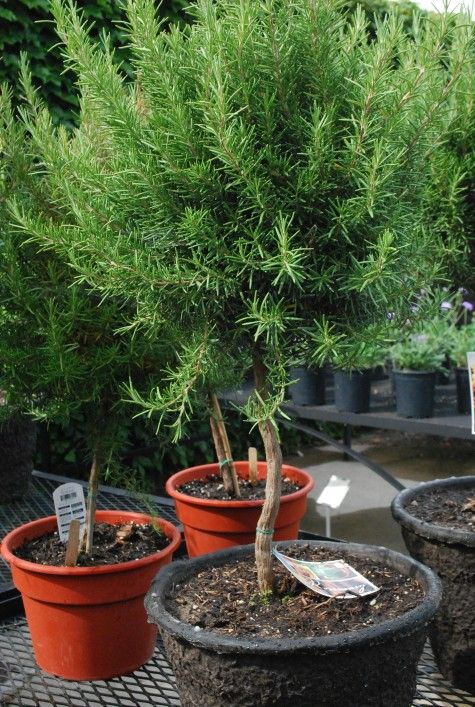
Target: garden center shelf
column 23, row 684
column 446, row 422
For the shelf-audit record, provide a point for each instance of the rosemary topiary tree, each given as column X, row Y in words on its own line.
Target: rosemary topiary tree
column 260, row 186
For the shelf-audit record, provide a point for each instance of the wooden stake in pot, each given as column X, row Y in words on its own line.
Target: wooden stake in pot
column 72, row 548
column 252, row 455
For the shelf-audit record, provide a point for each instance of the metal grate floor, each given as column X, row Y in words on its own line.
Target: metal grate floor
column 23, row 684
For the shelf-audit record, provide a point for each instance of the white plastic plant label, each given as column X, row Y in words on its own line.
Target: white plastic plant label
column 471, row 383
column 332, row 578
column 334, row 492
column 69, row 505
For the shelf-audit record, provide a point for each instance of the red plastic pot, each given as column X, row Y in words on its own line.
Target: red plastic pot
column 88, row 623
column 211, row 525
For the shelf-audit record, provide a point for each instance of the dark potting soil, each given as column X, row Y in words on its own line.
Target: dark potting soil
column 211, row 487
column 224, row 599
column 452, row 508
column 110, row 546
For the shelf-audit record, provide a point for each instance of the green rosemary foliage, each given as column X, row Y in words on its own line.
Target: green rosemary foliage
column 265, row 180
column 61, row 353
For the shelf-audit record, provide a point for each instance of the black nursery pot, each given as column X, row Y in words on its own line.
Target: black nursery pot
column 369, row 667
column 17, row 447
column 352, row 390
column 414, row 393
column 450, row 553
column 309, row 386
column 462, row 382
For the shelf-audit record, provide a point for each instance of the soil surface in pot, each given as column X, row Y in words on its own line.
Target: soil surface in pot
column 211, row 487
column 224, row 599
column 112, row 544
column 450, row 507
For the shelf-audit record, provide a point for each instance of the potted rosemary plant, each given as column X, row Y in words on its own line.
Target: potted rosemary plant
column 60, row 352
column 256, row 187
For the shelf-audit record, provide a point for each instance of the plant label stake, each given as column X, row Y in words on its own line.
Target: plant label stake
column 69, row 505
column 253, row 478
column 332, row 497
column 72, row 548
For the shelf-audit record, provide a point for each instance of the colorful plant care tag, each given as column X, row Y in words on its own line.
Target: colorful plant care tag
column 69, row 505
column 471, row 383
column 333, row 578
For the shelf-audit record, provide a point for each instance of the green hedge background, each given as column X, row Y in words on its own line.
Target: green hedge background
column 25, row 25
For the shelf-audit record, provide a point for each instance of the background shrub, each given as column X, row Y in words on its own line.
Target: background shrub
column 26, row 26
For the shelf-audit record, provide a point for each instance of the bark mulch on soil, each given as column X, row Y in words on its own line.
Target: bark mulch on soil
column 225, row 600
column 452, row 508
column 112, row 544
column 211, row 487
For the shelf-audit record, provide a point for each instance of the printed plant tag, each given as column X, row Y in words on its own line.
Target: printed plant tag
column 471, row 383
column 333, row 578
column 69, row 505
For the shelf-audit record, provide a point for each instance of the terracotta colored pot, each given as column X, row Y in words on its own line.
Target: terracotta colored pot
column 88, row 623
column 211, row 525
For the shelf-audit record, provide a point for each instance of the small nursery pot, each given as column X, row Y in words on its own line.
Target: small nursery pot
column 352, row 390
column 309, row 386
column 369, row 667
column 450, row 553
column 414, row 392
column 88, row 623
column 462, row 382
column 211, row 525
column 17, row 447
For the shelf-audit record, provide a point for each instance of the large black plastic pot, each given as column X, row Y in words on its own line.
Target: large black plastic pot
column 17, row 447
column 352, row 390
column 462, row 382
column 370, row 667
column 309, row 386
column 450, row 553
column 414, row 393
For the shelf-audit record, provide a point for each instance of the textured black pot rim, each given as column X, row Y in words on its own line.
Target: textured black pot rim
column 391, row 629
column 432, row 531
